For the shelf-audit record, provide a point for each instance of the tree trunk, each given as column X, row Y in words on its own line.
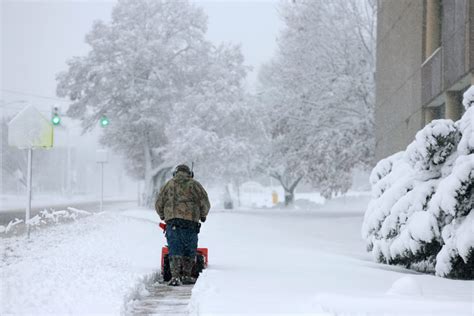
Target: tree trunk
column 237, row 189
column 289, row 188
column 289, row 196
column 148, row 190
column 228, row 203
column 159, row 179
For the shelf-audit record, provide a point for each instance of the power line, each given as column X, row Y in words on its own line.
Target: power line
column 18, row 108
column 11, row 109
column 33, row 95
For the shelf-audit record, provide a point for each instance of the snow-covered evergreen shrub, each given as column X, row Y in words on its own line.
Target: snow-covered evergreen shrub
column 420, row 213
column 452, row 205
column 432, row 145
column 466, row 145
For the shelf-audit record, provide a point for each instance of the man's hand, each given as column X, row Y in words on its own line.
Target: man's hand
column 203, row 219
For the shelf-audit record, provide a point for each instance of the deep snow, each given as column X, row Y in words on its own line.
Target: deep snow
column 306, row 260
column 86, row 267
column 312, row 262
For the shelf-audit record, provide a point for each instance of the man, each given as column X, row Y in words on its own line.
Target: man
column 182, row 202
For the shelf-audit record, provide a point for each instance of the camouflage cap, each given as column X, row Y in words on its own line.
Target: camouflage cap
column 182, row 167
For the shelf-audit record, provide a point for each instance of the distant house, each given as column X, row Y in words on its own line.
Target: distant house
column 425, row 61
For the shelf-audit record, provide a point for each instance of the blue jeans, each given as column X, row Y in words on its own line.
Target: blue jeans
column 182, row 241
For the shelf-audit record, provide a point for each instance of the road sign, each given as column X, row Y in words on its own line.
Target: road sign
column 101, row 155
column 29, row 129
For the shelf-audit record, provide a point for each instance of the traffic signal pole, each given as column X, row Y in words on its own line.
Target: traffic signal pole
column 101, row 158
column 102, row 186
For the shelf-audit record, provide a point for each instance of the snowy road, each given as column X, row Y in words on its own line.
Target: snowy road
column 10, row 212
column 261, row 261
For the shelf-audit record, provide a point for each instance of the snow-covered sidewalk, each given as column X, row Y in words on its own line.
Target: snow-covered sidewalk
column 86, row 267
column 314, row 261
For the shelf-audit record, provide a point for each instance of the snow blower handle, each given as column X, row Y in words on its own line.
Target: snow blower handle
column 163, row 226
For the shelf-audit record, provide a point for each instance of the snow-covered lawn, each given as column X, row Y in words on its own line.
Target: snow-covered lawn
column 90, row 266
column 261, row 261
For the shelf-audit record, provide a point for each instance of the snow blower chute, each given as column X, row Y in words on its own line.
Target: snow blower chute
column 201, row 260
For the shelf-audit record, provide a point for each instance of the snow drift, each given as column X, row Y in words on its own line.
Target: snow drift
column 420, row 213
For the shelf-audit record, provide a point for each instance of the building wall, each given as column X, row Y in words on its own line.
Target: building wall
column 416, row 84
column 398, row 112
column 448, row 68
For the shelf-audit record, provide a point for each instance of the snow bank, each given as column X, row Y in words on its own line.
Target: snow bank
column 405, row 286
column 422, row 198
column 389, row 305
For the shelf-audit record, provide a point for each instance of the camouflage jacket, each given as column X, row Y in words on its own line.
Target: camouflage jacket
column 182, row 197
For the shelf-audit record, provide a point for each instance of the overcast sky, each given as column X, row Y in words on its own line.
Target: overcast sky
column 38, row 37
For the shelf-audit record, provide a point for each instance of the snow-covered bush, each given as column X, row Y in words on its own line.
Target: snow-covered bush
column 420, row 213
column 466, row 145
column 432, row 146
column 452, row 205
column 44, row 218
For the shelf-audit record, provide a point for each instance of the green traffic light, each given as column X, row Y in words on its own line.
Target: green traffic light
column 56, row 119
column 104, row 121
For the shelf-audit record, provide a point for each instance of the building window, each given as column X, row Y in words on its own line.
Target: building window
column 432, row 22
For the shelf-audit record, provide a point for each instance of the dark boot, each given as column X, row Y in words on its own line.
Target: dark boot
column 175, row 268
column 188, row 265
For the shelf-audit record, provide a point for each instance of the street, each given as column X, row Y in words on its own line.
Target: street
column 7, row 215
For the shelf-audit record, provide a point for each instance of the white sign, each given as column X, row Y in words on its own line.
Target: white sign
column 101, row 156
column 30, row 129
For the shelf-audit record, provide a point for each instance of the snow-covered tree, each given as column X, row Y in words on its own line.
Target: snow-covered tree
column 147, row 67
column 217, row 127
column 421, row 214
column 319, row 89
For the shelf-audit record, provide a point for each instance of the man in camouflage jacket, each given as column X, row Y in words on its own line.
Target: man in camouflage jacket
column 182, row 203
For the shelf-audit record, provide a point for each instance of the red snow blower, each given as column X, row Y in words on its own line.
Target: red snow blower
column 201, row 260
